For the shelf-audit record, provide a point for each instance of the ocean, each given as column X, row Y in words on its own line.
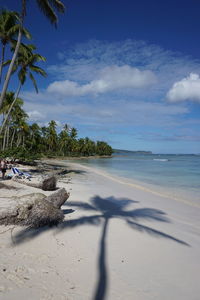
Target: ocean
column 173, row 175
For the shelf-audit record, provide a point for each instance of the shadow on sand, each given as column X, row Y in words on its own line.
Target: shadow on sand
column 103, row 210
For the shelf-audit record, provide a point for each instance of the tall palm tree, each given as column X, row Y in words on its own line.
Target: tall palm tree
column 17, row 121
column 9, row 28
column 49, row 9
column 16, row 113
column 64, row 140
column 21, row 124
column 26, row 62
column 8, row 101
column 3, row 111
column 52, row 135
column 73, row 133
column 34, row 136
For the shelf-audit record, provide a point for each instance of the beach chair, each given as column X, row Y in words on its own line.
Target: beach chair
column 17, row 172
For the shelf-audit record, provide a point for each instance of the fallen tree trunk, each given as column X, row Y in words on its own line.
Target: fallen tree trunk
column 35, row 210
column 47, row 184
column 58, row 198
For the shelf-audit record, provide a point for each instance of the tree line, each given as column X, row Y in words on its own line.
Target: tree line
column 26, row 141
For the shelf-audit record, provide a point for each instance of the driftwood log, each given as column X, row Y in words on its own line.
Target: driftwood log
column 47, row 184
column 35, row 210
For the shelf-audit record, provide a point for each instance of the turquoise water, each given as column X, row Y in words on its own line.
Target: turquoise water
column 179, row 174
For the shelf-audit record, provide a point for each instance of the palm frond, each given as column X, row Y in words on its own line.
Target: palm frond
column 15, row 67
column 22, row 76
column 48, row 11
column 34, row 81
column 7, row 62
column 59, row 6
column 38, row 70
column 13, row 30
column 26, row 33
column 35, row 57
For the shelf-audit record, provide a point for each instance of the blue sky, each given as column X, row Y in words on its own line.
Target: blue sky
column 126, row 72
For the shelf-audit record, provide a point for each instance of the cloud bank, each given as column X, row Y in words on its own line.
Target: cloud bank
column 186, row 89
column 109, row 79
column 116, row 91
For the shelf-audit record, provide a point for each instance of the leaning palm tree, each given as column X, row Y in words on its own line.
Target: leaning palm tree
column 26, row 63
column 9, row 28
column 10, row 120
column 8, row 101
column 48, row 7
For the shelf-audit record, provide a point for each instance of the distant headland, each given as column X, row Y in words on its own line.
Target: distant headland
column 121, row 151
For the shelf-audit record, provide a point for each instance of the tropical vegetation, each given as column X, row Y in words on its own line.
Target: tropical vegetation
column 26, row 141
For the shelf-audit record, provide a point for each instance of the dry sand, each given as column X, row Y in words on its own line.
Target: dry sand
column 118, row 241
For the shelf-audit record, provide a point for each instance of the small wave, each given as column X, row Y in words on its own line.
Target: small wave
column 161, row 159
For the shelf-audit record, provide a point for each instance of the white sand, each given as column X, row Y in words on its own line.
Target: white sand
column 107, row 248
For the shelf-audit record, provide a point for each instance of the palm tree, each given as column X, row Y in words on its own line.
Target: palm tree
column 26, row 62
column 8, row 31
column 10, row 97
column 73, row 133
column 8, row 100
column 52, row 135
column 64, row 139
column 3, row 111
column 48, row 7
column 34, row 136
column 12, row 122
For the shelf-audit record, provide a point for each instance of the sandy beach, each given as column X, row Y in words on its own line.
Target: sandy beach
column 118, row 241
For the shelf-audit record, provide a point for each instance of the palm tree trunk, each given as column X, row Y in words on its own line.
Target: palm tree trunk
column 4, row 139
column 23, row 140
column 8, row 137
column 12, row 138
column 19, row 139
column 10, row 108
column 2, row 60
column 9, row 73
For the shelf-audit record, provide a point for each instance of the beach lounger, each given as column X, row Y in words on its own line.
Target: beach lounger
column 17, row 172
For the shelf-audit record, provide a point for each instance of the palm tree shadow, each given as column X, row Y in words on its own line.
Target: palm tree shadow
column 103, row 210
column 116, row 208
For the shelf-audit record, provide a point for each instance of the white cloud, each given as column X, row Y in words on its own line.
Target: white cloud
column 109, row 79
column 82, row 64
column 35, row 116
column 186, row 89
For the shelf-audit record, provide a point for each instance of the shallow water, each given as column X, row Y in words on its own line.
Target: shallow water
column 177, row 175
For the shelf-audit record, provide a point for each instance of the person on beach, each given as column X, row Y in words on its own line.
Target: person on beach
column 3, row 167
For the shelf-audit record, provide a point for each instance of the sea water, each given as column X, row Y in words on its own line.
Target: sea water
column 175, row 175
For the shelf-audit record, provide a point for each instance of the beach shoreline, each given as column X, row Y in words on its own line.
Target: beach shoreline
column 165, row 192
column 117, row 242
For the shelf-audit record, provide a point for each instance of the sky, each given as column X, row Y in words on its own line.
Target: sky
column 126, row 72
